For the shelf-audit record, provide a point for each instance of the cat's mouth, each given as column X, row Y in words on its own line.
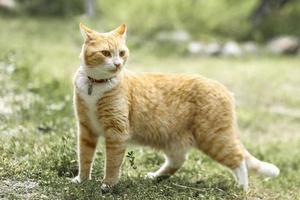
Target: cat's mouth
column 115, row 70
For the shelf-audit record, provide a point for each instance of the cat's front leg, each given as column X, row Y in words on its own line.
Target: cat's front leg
column 115, row 150
column 87, row 142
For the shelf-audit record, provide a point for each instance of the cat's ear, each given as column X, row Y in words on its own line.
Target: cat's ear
column 121, row 31
column 86, row 32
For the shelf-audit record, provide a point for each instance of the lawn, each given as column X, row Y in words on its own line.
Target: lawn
column 38, row 143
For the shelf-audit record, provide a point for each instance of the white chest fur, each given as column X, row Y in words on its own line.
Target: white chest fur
column 90, row 101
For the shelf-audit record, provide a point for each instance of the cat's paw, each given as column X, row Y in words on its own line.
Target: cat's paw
column 157, row 177
column 78, row 180
column 151, row 175
column 105, row 187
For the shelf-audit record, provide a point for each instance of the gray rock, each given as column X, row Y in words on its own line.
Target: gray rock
column 19, row 189
column 196, row 48
column 8, row 4
column 284, row 45
column 178, row 36
column 213, row 49
column 232, row 48
column 250, row 47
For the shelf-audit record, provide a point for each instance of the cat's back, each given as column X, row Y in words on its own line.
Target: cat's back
column 187, row 87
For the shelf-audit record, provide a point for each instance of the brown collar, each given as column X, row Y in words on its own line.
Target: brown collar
column 92, row 81
column 99, row 80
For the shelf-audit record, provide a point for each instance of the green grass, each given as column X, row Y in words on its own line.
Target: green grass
column 37, row 143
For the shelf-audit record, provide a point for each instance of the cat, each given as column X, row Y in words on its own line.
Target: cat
column 169, row 112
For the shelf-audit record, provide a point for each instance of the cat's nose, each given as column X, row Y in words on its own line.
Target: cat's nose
column 118, row 65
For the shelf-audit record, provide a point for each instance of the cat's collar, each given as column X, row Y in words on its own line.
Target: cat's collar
column 92, row 81
column 100, row 80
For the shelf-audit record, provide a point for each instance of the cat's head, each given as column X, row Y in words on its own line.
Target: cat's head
column 103, row 55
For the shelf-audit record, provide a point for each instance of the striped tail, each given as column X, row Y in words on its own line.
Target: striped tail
column 260, row 167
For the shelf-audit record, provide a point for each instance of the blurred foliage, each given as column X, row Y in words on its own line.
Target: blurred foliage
column 279, row 22
column 200, row 18
column 205, row 20
column 51, row 7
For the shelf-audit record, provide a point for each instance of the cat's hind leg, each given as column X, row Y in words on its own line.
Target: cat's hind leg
column 223, row 145
column 173, row 161
column 241, row 175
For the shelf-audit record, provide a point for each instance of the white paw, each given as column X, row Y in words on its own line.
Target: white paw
column 244, row 187
column 151, row 175
column 77, row 180
column 105, row 187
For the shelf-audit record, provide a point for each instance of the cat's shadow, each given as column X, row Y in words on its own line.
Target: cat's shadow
column 170, row 186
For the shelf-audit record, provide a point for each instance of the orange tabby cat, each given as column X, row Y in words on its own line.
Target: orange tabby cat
column 168, row 112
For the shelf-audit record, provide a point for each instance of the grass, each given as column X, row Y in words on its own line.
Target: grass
column 37, row 143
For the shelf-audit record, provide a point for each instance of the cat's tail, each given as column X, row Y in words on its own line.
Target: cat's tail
column 260, row 167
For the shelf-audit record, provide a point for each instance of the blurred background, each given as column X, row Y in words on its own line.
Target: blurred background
column 251, row 46
column 224, row 28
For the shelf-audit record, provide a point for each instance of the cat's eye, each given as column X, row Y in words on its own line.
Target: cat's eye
column 106, row 53
column 122, row 53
